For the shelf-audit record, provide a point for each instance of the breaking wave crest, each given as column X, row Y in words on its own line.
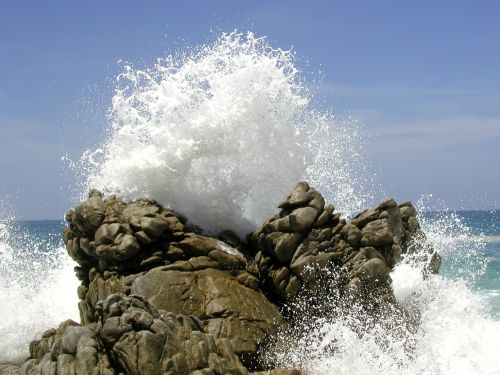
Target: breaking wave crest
column 221, row 133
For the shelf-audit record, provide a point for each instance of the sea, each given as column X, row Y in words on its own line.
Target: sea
column 460, row 307
column 220, row 133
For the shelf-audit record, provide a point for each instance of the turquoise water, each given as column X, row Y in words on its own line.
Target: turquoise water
column 474, row 256
column 486, row 226
column 29, row 244
column 43, row 234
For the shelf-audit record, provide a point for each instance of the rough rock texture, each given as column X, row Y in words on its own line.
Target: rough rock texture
column 132, row 337
column 296, row 247
column 157, row 296
column 143, row 340
column 144, row 248
column 229, row 308
column 69, row 349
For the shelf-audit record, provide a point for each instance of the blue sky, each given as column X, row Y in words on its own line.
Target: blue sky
column 424, row 78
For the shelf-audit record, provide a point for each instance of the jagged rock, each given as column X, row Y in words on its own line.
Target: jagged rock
column 351, row 234
column 159, row 297
column 215, row 297
column 127, row 247
column 302, row 218
column 70, row 349
column 299, row 196
column 413, row 239
column 202, row 265
column 194, row 245
column 71, row 338
column 358, row 254
column 89, row 215
column 144, row 340
column 407, row 210
column 377, row 233
column 373, row 270
column 139, row 249
column 152, row 226
column 308, row 268
column 282, row 245
column 365, row 217
column 133, row 338
column 98, row 289
column 107, row 233
column 325, row 216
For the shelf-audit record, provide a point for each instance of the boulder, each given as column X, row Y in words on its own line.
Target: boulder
column 131, row 337
column 377, row 233
column 355, row 257
column 153, row 227
column 159, row 296
column 230, row 309
column 144, row 340
column 89, row 215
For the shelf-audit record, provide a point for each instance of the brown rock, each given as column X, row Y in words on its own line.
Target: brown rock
column 215, row 296
column 377, row 233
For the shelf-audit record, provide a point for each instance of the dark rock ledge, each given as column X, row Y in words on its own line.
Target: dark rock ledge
column 158, row 296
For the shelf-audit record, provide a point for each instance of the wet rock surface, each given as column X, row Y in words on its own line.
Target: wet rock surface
column 159, row 296
column 359, row 254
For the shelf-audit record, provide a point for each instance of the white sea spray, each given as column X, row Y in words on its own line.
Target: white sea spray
column 221, row 134
column 456, row 334
column 37, row 289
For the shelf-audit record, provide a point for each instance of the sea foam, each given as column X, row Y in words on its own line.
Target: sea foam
column 457, row 333
column 37, row 289
column 221, row 133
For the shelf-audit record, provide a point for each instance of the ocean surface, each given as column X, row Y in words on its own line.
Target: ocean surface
column 38, row 290
column 220, row 133
column 480, row 238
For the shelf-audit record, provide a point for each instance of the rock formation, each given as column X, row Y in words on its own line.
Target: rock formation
column 159, row 296
column 295, row 246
